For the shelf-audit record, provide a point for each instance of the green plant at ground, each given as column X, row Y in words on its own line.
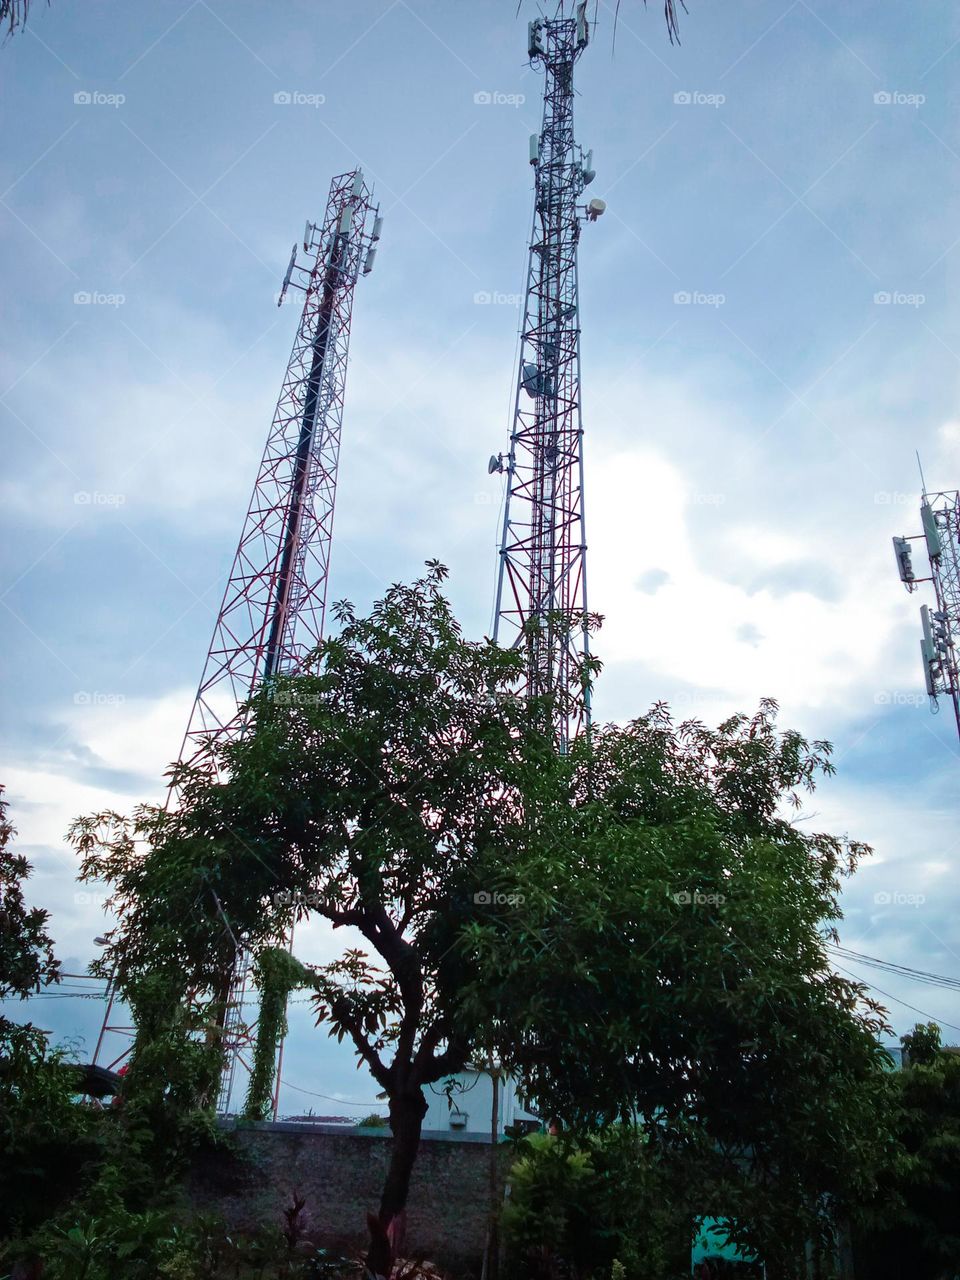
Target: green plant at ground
column 126, row 1213
column 103, row 1246
column 374, row 1121
column 45, row 1137
column 172, row 1245
column 594, row 1206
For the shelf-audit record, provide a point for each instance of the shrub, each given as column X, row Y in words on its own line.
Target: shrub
column 593, row 1207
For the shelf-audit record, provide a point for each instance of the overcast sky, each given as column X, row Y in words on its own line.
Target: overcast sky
column 749, row 451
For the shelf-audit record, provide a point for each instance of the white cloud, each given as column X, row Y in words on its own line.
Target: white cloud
column 692, row 631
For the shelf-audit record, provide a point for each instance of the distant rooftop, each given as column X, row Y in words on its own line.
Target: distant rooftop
column 318, row 1120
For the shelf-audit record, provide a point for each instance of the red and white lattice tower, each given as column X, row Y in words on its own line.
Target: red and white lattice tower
column 541, row 605
column 272, row 615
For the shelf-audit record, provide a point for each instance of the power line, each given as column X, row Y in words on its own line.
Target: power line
column 917, row 975
column 326, row 1097
column 897, row 999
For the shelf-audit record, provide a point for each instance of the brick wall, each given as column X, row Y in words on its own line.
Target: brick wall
column 341, row 1172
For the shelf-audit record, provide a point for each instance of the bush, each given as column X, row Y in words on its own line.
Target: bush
column 45, row 1137
column 374, row 1121
column 594, row 1206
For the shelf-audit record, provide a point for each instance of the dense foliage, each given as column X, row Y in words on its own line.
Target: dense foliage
column 41, row 1131
column 26, row 950
column 912, row 1225
column 276, row 973
column 660, row 953
column 577, row 1206
column 363, row 790
column 46, row 1139
column 636, row 929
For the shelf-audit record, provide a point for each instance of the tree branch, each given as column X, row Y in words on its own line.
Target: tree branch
column 352, row 916
column 444, row 1064
column 381, row 932
column 342, row 1013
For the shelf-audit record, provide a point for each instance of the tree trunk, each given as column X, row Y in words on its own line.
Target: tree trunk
column 407, row 1110
column 493, row 1230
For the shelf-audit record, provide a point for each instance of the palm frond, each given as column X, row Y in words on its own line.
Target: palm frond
column 671, row 15
column 13, row 14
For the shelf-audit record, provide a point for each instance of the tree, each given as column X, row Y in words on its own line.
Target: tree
column 921, row 1046
column 14, row 13
column 45, row 1137
column 26, row 950
column 665, row 960
column 911, row 1226
column 364, row 791
column 40, row 1130
column 670, row 14
column 633, row 928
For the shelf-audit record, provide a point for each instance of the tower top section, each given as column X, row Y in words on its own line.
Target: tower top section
column 550, row 39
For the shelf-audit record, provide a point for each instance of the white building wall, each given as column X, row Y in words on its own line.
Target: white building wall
column 472, row 1099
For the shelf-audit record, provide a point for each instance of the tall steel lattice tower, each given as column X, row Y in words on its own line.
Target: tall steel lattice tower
column 541, row 604
column 940, row 521
column 272, row 615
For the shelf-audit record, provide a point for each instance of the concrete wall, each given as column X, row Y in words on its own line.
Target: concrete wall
column 341, row 1172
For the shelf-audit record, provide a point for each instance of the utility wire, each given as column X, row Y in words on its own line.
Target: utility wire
column 897, row 999
column 326, row 1097
column 918, row 975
